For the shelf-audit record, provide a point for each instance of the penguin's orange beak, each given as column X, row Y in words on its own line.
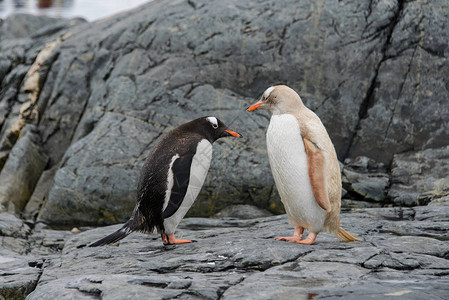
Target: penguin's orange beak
column 233, row 133
column 254, row 106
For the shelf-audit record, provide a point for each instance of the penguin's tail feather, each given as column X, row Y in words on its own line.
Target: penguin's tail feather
column 345, row 236
column 116, row 236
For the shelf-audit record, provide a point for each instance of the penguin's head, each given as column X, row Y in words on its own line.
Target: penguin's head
column 215, row 129
column 278, row 99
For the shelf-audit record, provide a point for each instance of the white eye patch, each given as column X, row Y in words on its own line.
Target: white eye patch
column 268, row 92
column 213, row 121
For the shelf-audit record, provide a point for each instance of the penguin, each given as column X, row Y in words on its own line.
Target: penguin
column 304, row 165
column 171, row 179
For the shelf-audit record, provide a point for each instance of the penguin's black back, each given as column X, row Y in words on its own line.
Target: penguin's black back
column 152, row 186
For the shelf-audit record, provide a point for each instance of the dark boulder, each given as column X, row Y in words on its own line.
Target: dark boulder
column 365, row 180
column 22, row 171
column 106, row 91
column 407, row 106
column 420, row 177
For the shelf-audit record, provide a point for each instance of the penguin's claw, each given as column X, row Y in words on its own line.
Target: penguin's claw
column 296, row 238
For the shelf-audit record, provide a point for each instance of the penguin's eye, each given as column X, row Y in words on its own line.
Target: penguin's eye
column 213, row 121
column 267, row 92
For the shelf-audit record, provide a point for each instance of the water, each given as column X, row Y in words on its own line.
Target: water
column 90, row 10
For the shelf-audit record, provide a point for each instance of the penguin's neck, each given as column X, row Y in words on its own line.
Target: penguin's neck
column 286, row 108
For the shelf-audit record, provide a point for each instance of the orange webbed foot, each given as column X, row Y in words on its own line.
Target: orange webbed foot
column 310, row 239
column 296, row 238
column 291, row 239
column 169, row 239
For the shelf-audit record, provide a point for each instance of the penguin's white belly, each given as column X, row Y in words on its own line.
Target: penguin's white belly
column 288, row 161
column 198, row 172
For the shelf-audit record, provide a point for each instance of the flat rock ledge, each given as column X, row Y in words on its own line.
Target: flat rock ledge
column 403, row 254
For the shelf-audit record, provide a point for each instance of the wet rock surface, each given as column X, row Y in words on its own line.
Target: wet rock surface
column 101, row 94
column 404, row 254
column 22, row 171
column 242, row 211
column 365, row 179
column 81, row 105
column 398, row 115
column 420, row 177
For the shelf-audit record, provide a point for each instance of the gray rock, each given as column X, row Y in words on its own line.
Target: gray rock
column 12, row 226
column 242, row 211
column 440, row 201
column 18, row 275
column 24, row 26
column 77, row 184
column 102, row 94
column 371, row 186
column 349, row 204
column 359, row 66
column 419, row 177
column 22, row 171
column 364, row 181
column 363, row 164
column 17, row 236
column 23, row 38
column 236, row 259
column 137, row 69
column 44, row 241
column 40, row 194
column 405, row 107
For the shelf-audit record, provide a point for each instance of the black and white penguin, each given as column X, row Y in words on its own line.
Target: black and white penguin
column 171, row 179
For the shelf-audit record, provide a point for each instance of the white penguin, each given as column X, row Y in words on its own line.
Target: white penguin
column 304, row 166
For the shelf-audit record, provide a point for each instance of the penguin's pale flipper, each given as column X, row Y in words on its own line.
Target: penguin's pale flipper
column 169, row 239
column 296, row 238
column 315, row 163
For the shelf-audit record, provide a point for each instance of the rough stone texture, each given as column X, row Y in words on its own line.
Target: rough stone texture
column 420, row 177
column 18, row 276
column 102, row 93
column 440, row 201
column 22, row 72
column 242, row 211
column 17, row 279
column 10, row 225
column 365, row 180
column 23, row 251
column 77, row 179
column 404, row 254
column 40, row 194
column 22, row 171
column 407, row 106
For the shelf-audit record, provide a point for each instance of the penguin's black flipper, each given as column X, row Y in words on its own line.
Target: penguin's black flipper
column 115, row 236
column 181, row 177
